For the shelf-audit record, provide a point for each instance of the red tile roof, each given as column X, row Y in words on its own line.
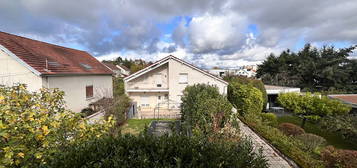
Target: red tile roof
column 49, row 59
column 111, row 66
column 348, row 98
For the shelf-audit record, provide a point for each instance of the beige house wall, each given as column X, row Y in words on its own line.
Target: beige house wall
column 194, row 77
column 75, row 88
column 12, row 72
column 149, row 80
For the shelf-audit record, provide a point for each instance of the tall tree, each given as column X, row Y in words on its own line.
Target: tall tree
column 324, row 69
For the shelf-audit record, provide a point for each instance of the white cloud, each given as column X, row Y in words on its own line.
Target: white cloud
column 250, row 54
column 216, row 33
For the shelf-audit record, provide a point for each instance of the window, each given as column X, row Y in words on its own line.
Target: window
column 159, row 97
column 166, row 96
column 158, row 80
column 183, row 78
column 89, row 91
column 145, row 101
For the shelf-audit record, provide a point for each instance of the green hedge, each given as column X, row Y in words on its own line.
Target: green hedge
column 205, row 110
column 250, row 81
column 150, row 151
column 247, row 99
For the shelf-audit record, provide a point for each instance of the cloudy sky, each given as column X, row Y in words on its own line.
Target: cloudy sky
column 207, row 33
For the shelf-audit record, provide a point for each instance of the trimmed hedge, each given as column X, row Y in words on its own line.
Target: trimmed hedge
column 164, row 151
column 247, row 99
column 291, row 129
column 250, row 81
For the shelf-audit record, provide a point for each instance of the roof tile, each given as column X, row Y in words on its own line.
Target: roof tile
column 49, row 59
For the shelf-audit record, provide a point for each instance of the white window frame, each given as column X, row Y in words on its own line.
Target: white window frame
column 183, row 78
column 144, row 101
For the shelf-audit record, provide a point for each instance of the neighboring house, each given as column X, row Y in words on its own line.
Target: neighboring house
column 350, row 99
column 157, row 89
column 124, row 70
column 115, row 69
column 245, row 72
column 251, row 67
column 274, row 91
column 118, row 70
column 42, row 65
column 219, row 72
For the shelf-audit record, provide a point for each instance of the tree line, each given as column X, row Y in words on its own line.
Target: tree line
column 312, row 69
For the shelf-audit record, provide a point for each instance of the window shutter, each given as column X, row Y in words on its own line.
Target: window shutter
column 89, row 91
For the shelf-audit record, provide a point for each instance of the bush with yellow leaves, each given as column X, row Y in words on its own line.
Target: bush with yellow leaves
column 35, row 125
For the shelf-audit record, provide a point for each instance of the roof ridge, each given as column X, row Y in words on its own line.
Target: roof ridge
column 177, row 59
column 35, row 53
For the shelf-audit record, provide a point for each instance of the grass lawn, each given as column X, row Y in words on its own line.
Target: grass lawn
column 331, row 138
column 135, row 126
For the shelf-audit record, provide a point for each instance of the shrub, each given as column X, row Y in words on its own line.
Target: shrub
column 291, row 129
column 344, row 125
column 339, row 158
column 34, row 125
column 164, row 151
column 250, row 81
column 246, row 99
column 311, row 141
column 118, row 108
column 311, row 106
column 204, row 110
column 269, row 119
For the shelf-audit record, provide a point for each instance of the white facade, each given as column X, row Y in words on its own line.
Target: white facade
column 162, row 83
column 245, row 72
column 13, row 70
column 74, row 88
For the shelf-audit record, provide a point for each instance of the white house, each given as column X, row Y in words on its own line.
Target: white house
column 42, row 65
column 245, row 72
column 219, row 72
column 157, row 89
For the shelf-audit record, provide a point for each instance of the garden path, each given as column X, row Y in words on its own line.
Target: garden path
column 275, row 160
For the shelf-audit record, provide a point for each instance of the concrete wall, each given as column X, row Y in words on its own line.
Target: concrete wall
column 75, row 88
column 11, row 72
column 194, row 77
